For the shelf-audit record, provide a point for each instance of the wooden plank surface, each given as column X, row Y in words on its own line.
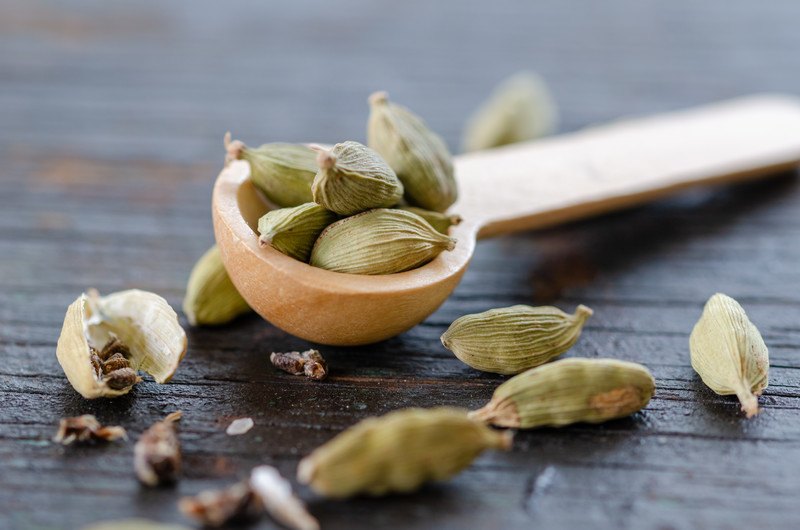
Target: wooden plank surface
column 112, row 122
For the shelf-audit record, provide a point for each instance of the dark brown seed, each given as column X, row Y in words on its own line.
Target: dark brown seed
column 238, row 503
column 116, row 362
column 114, row 346
column 97, row 364
column 309, row 363
column 157, row 453
column 86, row 428
column 122, row 378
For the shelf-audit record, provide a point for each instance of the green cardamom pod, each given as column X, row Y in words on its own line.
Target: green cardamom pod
column 441, row 222
column 728, row 352
column 569, row 391
column 378, row 241
column 521, row 108
column 283, row 172
column 510, row 340
column 293, row 231
column 398, row 452
column 211, row 298
column 353, row 178
column 418, row 155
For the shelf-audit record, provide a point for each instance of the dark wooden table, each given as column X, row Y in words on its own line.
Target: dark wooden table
column 112, row 121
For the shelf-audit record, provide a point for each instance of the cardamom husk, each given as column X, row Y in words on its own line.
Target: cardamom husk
column 510, row 340
column 728, row 352
column 138, row 325
column 353, row 178
column 279, row 500
column 134, row 523
column 398, row 452
column 520, row 108
column 86, row 428
column 378, row 241
column 418, row 155
column 211, row 298
column 293, row 231
column 283, row 172
column 569, row 391
column 441, row 222
column 157, row 453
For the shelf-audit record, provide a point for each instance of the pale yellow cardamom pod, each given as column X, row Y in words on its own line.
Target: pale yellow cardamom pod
column 418, row 155
column 728, row 352
column 569, row 391
column 283, row 172
column 521, row 108
column 441, row 222
column 211, row 298
column 353, row 178
column 510, row 340
column 380, row 241
column 398, row 452
column 293, row 231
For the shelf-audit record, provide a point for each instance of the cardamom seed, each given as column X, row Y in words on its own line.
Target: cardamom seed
column 418, row 155
column 728, row 352
column 510, row 340
column 569, row 391
column 211, row 298
column 353, row 178
column 378, row 241
column 86, row 428
column 521, row 108
column 441, row 222
column 157, row 453
column 294, row 230
column 398, row 452
column 283, row 172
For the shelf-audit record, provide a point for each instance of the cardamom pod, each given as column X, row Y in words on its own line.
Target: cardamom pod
column 283, row 172
column 294, row 230
column 510, row 340
column 353, row 178
column 441, row 222
column 398, row 452
column 569, row 391
column 211, row 297
column 378, row 241
column 418, row 155
column 728, row 352
column 521, row 108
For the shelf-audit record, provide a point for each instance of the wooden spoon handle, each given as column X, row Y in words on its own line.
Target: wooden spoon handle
column 538, row 184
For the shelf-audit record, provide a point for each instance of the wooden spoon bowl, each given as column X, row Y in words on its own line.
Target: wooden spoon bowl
column 524, row 186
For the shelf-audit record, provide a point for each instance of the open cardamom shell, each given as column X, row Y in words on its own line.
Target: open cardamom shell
column 293, row 231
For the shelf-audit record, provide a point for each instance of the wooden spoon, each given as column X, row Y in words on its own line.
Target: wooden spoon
column 519, row 187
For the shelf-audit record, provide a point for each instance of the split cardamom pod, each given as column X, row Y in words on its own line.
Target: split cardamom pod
column 510, row 340
column 521, row 108
column 728, row 352
column 569, row 391
column 211, row 298
column 441, row 222
column 418, row 155
column 138, row 325
column 398, row 452
column 353, row 178
column 378, row 241
column 283, row 172
column 293, row 231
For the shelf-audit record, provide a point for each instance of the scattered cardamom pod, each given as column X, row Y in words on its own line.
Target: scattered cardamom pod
column 728, row 352
column 133, row 524
column 86, row 428
column 294, row 230
column 283, row 172
column 569, row 391
column 157, row 453
column 378, row 241
column 418, row 155
column 353, row 178
column 309, row 363
column 510, row 340
column 279, row 500
column 211, row 298
column 139, row 325
column 398, row 452
column 217, row 508
column 441, row 222
column 521, row 108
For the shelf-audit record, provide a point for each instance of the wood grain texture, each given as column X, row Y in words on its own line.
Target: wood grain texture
column 113, row 118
